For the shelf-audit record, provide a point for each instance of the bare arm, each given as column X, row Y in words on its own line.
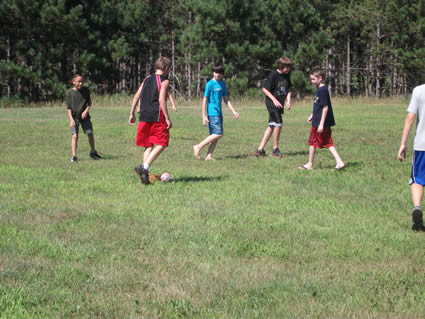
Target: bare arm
column 163, row 102
column 408, row 123
column 322, row 120
column 288, row 100
column 229, row 104
column 271, row 97
column 173, row 105
column 310, row 118
column 136, row 99
column 204, row 111
column 71, row 119
column 86, row 111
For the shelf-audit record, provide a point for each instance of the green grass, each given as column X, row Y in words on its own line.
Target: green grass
column 240, row 237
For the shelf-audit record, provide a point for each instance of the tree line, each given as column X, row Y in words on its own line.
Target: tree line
column 368, row 47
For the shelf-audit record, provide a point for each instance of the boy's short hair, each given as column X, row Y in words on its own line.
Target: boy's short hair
column 284, row 61
column 318, row 72
column 218, row 68
column 161, row 63
column 76, row 75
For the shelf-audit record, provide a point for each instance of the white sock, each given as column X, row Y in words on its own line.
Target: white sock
column 146, row 166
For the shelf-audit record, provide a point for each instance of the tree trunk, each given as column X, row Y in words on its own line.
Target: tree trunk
column 348, row 75
column 198, row 82
column 330, row 70
column 378, row 63
column 8, row 60
column 173, row 58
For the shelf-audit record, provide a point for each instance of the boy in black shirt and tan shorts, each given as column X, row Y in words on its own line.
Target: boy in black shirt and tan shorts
column 278, row 92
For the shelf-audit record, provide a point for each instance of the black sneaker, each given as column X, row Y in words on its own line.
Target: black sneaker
column 74, row 159
column 95, row 156
column 143, row 173
column 260, row 153
column 417, row 219
column 276, row 153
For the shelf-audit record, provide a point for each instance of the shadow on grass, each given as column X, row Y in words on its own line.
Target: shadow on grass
column 348, row 165
column 239, row 156
column 295, row 153
column 195, row 179
column 353, row 164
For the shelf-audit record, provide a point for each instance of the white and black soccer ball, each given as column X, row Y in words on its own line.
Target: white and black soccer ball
column 166, row 177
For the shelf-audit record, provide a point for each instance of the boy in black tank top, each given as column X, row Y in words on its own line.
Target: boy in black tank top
column 154, row 122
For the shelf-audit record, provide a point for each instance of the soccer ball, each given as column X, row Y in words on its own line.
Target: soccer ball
column 166, row 177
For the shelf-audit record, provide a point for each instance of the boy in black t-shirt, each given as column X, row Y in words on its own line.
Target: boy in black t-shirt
column 278, row 91
column 322, row 119
column 78, row 103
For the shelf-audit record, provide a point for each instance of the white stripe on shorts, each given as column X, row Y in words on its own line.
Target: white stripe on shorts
column 275, row 124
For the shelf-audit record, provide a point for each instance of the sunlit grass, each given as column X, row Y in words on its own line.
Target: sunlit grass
column 240, row 237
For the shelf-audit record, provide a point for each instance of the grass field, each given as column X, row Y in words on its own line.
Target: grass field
column 239, row 237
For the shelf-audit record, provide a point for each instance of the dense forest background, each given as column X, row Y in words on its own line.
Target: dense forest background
column 368, row 47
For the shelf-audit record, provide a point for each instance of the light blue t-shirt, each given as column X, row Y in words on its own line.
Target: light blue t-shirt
column 215, row 91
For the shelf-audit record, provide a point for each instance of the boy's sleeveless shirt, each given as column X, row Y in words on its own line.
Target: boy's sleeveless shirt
column 149, row 98
column 77, row 101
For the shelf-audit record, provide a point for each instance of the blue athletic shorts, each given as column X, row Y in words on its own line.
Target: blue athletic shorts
column 215, row 125
column 418, row 168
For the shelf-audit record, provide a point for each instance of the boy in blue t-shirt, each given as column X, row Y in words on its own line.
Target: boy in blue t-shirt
column 322, row 119
column 212, row 114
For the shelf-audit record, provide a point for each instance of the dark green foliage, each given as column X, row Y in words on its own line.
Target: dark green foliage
column 368, row 47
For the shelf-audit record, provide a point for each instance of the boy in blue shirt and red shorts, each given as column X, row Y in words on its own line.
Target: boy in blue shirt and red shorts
column 322, row 119
column 215, row 91
column 416, row 111
column 154, row 122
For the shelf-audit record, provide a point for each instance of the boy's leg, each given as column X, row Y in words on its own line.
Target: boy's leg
column 311, row 153
column 74, row 143
column 211, row 149
column 209, row 139
column 310, row 163
column 153, row 155
column 417, row 180
column 146, row 153
column 93, row 154
column 268, row 132
column 91, row 141
column 266, row 138
column 149, row 156
column 339, row 163
column 417, row 191
column 276, row 135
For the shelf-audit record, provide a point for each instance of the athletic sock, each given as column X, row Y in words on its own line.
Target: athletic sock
column 146, row 166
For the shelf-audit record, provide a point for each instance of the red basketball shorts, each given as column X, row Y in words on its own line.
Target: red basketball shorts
column 153, row 133
column 321, row 140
